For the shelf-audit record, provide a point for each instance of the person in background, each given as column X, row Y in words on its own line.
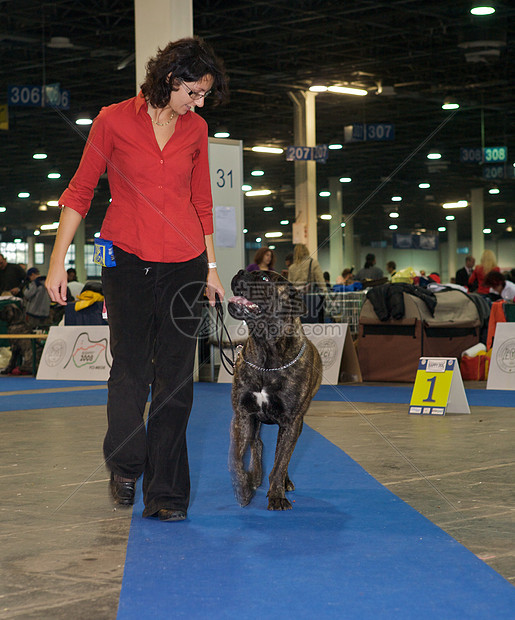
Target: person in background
column 345, row 283
column 487, row 264
column 463, row 274
column 37, row 300
column 264, row 259
column 391, row 268
column 287, row 261
column 500, row 286
column 158, row 252
column 305, row 273
column 74, row 286
column 369, row 271
column 11, row 277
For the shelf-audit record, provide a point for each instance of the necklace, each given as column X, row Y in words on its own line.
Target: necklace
column 167, row 122
column 299, row 355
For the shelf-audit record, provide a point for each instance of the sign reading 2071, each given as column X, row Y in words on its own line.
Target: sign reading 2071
column 50, row 95
column 307, row 153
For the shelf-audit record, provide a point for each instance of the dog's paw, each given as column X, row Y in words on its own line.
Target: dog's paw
column 244, row 493
column 278, row 503
column 288, row 485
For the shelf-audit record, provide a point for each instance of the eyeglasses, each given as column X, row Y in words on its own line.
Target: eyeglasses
column 192, row 94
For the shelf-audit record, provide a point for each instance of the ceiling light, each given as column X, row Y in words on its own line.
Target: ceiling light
column 53, row 226
column 344, row 90
column 424, row 185
column 23, row 195
column 342, row 224
column 96, row 235
column 272, row 247
column 18, row 240
column 37, row 233
column 42, row 208
column 267, row 149
column 393, row 214
column 482, row 10
column 324, row 194
column 259, row 192
column 84, row 119
column 3, row 209
column 222, row 132
column 257, row 173
column 501, row 220
column 487, row 231
column 396, row 198
column 442, row 229
column 258, row 239
column 273, row 235
column 450, row 218
column 284, row 222
column 434, row 156
column 393, row 227
column 60, row 42
column 455, row 205
column 39, row 155
column 348, row 179
column 52, row 203
column 494, row 190
column 318, row 88
column 326, row 216
column 53, row 174
column 335, row 147
column 268, row 208
column 245, row 231
column 450, row 105
column 509, row 228
column 246, row 188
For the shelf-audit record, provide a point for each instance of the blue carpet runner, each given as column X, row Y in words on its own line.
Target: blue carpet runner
column 349, row 548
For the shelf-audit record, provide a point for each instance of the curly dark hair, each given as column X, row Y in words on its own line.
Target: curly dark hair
column 260, row 255
column 188, row 59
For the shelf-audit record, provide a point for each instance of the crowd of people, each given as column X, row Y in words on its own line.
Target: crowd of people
column 485, row 278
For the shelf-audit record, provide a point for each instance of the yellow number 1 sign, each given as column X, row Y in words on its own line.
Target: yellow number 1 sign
column 438, row 388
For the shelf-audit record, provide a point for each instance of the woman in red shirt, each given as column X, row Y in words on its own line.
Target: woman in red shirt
column 488, row 263
column 160, row 226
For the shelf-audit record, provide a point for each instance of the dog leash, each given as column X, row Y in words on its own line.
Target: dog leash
column 227, row 362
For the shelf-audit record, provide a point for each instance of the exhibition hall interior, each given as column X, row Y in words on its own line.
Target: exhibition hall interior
column 366, row 153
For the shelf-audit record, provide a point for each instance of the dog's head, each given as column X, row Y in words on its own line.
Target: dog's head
column 11, row 314
column 266, row 301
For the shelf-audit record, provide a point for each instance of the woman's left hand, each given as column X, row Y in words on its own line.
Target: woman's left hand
column 214, row 287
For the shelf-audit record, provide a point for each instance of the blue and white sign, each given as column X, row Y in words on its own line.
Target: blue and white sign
column 318, row 153
column 495, row 154
column 369, row 132
column 39, row 96
column 471, row 155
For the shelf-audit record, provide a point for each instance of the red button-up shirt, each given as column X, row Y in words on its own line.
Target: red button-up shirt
column 161, row 204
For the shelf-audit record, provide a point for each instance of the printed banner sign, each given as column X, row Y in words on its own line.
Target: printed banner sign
column 501, row 373
column 332, row 340
column 76, row 353
column 438, row 388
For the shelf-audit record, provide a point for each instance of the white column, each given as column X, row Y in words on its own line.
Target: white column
column 80, row 240
column 349, row 250
column 452, row 246
column 477, row 223
column 157, row 23
column 335, row 228
column 305, row 171
column 30, row 251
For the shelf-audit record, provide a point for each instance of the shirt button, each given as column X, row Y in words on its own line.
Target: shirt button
column 160, row 186
column 162, row 161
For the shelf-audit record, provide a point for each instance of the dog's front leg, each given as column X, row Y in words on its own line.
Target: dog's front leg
column 245, row 432
column 286, row 439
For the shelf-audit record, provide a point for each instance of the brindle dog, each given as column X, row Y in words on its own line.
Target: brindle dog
column 275, row 377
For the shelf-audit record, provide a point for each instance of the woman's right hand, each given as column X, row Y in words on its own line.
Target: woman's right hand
column 56, row 284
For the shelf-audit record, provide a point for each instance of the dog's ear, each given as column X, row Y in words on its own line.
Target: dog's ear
column 296, row 301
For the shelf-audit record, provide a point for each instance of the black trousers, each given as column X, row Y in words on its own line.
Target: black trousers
column 154, row 315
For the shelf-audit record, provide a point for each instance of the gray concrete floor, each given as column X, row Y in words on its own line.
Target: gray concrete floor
column 63, row 543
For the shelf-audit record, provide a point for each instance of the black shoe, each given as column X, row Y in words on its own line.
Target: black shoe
column 122, row 489
column 170, row 515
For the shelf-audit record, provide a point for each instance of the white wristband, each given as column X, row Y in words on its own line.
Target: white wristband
column 211, row 265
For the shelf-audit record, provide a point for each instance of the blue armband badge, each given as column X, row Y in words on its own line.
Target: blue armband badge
column 103, row 253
